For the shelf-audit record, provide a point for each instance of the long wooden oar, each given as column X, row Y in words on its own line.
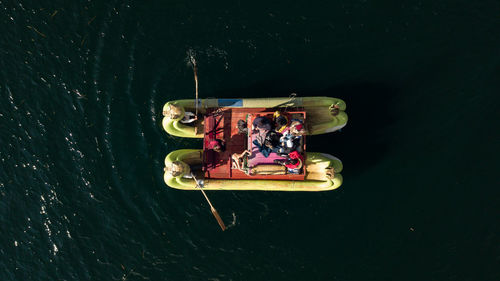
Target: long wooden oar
column 214, row 211
column 195, row 70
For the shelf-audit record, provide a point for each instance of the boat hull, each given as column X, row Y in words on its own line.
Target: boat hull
column 317, row 177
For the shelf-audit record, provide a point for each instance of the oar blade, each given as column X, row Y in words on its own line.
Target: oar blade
column 219, row 219
column 214, row 212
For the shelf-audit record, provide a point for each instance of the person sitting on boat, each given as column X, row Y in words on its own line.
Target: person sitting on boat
column 281, row 121
column 273, row 140
column 292, row 138
column 288, row 144
column 270, row 143
column 262, row 127
column 242, row 127
column 263, row 148
column 262, row 123
column 216, row 145
column 294, row 162
column 297, row 128
column 238, row 159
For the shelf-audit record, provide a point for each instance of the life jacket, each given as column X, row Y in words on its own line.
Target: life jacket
column 299, row 157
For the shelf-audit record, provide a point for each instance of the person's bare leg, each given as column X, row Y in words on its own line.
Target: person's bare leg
column 236, row 161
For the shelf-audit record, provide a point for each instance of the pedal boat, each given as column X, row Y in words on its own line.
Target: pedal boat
column 219, row 170
column 325, row 114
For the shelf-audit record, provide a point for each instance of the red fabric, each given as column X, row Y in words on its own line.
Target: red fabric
column 295, row 155
column 213, row 144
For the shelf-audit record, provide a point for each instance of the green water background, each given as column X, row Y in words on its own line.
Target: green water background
column 82, row 84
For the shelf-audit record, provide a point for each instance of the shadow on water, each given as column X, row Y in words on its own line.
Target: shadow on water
column 362, row 143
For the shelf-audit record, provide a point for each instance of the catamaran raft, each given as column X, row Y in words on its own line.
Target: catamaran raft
column 253, row 144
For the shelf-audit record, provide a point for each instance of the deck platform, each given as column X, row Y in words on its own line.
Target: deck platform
column 222, row 125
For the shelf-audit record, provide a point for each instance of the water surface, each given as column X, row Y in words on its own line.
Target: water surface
column 82, row 85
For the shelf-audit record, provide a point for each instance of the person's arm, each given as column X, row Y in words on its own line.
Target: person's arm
column 189, row 117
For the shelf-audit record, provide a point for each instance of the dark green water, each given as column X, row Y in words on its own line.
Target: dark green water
column 82, row 84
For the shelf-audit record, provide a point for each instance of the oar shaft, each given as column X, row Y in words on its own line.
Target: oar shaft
column 195, row 71
column 214, row 211
column 206, row 197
